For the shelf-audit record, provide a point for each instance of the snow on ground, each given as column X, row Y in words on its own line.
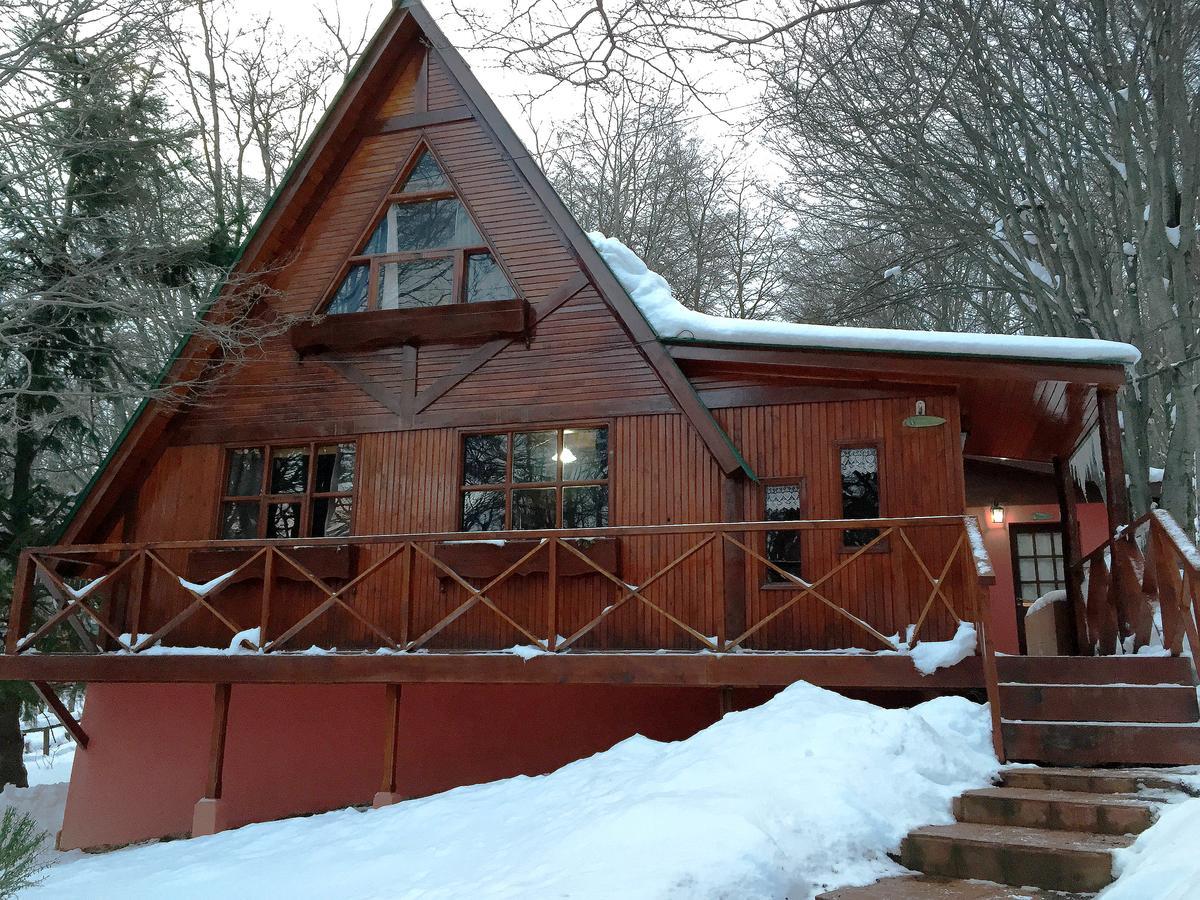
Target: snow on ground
column 46, row 796
column 805, row 792
column 1163, row 862
column 671, row 319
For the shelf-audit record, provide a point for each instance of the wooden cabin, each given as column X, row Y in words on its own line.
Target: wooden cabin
column 484, row 508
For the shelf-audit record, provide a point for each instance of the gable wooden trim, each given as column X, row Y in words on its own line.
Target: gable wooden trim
column 363, row 382
column 413, row 121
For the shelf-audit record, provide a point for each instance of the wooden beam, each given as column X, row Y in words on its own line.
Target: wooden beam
column 424, row 119
column 1124, row 591
column 61, row 713
column 216, row 752
column 733, row 509
column 746, row 669
column 1068, row 518
column 926, row 369
column 388, row 783
column 366, row 384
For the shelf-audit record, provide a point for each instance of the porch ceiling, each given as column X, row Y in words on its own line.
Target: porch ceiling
column 1016, row 409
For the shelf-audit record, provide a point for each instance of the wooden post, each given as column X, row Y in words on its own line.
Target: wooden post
column 1068, row 519
column 216, row 756
column 141, row 581
column 733, row 509
column 552, row 596
column 1116, row 501
column 264, row 618
column 22, row 602
column 387, row 785
column 406, row 580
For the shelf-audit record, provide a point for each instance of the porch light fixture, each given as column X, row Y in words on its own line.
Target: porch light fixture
column 921, row 420
column 997, row 513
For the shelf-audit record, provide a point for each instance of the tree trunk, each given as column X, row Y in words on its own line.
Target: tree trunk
column 12, row 743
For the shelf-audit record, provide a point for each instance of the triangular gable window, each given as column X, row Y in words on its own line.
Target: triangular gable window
column 425, row 250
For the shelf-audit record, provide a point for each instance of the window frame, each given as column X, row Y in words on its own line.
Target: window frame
column 459, row 255
column 306, row 497
column 1034, row 528
column 884, row 546
column 766, row 583
column 508, row 486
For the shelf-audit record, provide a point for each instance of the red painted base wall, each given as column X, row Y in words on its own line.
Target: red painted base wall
column 293, row 749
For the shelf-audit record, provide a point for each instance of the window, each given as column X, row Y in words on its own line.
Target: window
column 278, row 492
column 1038, row 558
column 522, row 480
column 783, row 501
column 425, row 251
column 859, row 468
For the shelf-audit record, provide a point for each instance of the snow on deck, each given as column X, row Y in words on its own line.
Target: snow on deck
column 672, row 320
column 806, row 792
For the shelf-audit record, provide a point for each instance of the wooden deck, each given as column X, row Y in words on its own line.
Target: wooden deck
column 555, row 606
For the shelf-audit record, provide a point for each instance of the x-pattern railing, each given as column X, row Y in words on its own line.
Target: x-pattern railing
column 126, row 574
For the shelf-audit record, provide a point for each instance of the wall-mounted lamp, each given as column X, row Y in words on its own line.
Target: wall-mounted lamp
column 997, row 513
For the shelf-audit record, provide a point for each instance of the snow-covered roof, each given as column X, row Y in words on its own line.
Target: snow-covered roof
column 672, row 320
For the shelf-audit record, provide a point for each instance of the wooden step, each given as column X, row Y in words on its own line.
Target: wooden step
column 1100, row 703
column 1092, row 781
column 931, row 887
column 1095, row 669
column 1056, row 810
column 1101, row 744
column 1052, row 860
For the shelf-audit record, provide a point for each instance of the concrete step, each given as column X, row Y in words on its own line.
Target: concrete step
column 1092, row 781
column 931, row 887
column 1100, row 703
column 1101, row 744
column 1095, row 669
column 1051, row 860
column 1056, row 810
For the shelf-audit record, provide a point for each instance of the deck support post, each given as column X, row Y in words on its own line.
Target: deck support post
column 733, row 509
column 1122, row 586
column 207, row 816
column 387, row 787
column 1068, row 518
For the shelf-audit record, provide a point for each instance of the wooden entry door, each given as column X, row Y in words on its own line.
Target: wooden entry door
column 1038, row 566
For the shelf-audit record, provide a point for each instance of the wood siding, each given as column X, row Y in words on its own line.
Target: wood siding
column 661, row 473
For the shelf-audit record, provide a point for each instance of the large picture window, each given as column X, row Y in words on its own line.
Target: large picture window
column 859, row 467
column 288, row 491
column 525, row 480
column 425, row 251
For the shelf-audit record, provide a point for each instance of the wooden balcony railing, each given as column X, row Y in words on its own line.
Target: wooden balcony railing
column 704, row 587
column 1140, row 582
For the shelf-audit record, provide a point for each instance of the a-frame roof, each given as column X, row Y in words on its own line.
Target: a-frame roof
column 293, row 207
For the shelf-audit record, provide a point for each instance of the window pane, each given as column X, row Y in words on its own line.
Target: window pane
column 351, row 296
column 289, row 470
column 585, row 507
column 1045, row 569
column 422, row 282
column 1024, row 543
column 335, row 469
column 783, row 549
column 245, row 473
column 331, row 517
column 426, row 175
column 1044, row 543
column 1028, row 570
column 482, row 511
column 486, row 280
column 283, row 520
column 485, row 457
column 534, row 508
column 860, row 492
column 534, row 455
column 239, row 519
column 427, row 225
column 585, row 454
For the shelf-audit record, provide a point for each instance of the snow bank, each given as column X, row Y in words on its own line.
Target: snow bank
column 44, row 802
column 671, row 319
column 1163, row 862
column 806, row 792
column 1045, row 600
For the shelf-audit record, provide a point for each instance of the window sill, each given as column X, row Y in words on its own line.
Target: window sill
column 380, row 329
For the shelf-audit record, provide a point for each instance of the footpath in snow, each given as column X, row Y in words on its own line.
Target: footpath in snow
column 807, row 792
